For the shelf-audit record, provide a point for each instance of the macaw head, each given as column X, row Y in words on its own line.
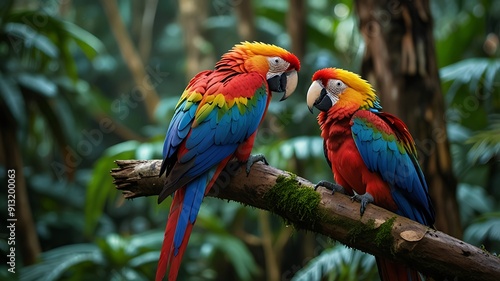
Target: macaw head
column 276, row 64
column 338, row 88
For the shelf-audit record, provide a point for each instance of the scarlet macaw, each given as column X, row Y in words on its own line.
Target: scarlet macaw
column 370, row 152
column 216, row 120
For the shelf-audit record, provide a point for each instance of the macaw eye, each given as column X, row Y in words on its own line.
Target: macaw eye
column 277, row 64
column 336, row 86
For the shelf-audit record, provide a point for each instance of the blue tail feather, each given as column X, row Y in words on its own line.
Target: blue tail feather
column 193, row 197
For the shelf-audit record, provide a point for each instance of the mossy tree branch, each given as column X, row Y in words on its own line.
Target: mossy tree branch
column 378, row 231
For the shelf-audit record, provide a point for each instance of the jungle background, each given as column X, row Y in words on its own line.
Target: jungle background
column 84, row 83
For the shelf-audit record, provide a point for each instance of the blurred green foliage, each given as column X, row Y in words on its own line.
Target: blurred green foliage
column 77, row 111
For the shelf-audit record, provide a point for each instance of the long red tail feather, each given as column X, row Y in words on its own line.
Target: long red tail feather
column 391, row 271
column 170, row 261
column 167, row 251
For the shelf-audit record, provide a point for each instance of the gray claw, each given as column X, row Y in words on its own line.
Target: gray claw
column 253, row 159
column 364, row 199
column 331, row 186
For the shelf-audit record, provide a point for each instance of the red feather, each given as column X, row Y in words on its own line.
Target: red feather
column 168, row 261
column 215, row 120
column 167, row 258
column 355, row 167
column 391, row 271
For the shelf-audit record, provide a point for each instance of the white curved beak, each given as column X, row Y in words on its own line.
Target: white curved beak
column 313, row 94
column 292, row 78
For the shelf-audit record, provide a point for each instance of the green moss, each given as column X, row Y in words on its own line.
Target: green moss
column 358, row 228
column 289, row 198
column 483, row 248
column 383, row 237
column 298, row 205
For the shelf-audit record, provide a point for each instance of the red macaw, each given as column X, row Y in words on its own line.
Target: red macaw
column 370, row 152
column 215, row 120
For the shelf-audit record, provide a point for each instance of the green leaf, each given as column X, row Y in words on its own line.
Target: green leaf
column 5, row 10
column 113, row 247
column 149, row 240
column 237, row 253
column 146, row 151
column 53, row 121
column 88, row 43
column 67, row 58
column 100, row 188
column 211, row 222
column 486, row 227
column 149, row 257
column 38, row 83
column 123, row 147
column 485, row 143
column 56, row 262
column 471, row 71
column 128, row 273
column 341, row 263
column 13, row 99
column 456, row 30
column 30, row 38
column 473, row 199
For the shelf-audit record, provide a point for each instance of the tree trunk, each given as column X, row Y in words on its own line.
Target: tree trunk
column 143, row 79
column 246, row 22
column 378, row 231
column 296, row 25
column 146, row 35
column 192, row 14
column 26, row 237
column 400, row 62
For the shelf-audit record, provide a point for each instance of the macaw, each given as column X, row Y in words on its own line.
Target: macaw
column 216, row 120
column 370, row 152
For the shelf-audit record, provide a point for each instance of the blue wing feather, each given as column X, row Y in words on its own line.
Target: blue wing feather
column 209, row 158
column 215, row 137
column 380, row 149
column 391, row 160
column 174, row 136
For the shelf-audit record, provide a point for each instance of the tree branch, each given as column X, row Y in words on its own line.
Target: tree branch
column 378, row 231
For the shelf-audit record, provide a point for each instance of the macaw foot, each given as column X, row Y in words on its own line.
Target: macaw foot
column 330, row 185
column 254, row 159
column 364, row 200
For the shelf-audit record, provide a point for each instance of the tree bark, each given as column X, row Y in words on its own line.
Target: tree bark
column 296, row 25
column 246, row 20
column 199, row 54
column 378, row 231
column 27, row 237
column 146, row 35
column 400, row 62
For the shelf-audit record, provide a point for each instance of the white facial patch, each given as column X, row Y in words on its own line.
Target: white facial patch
column 277, row 66
column 334, row 88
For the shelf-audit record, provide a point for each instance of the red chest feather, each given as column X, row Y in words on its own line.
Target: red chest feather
column 348, row 167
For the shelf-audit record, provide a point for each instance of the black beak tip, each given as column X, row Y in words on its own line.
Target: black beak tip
column 310, row 109
column 284, row 97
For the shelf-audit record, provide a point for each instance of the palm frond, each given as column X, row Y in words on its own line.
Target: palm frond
column 340, row 263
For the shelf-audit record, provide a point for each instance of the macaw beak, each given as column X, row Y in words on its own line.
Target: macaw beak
column 292, row 79
column 317, row 96
column 284, row 83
